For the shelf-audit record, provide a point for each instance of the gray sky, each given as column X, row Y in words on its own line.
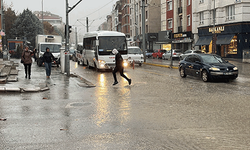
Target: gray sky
column 95, row 10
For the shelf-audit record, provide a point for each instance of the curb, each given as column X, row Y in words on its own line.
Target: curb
column 158, row 65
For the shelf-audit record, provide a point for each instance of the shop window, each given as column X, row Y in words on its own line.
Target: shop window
column 231, row 49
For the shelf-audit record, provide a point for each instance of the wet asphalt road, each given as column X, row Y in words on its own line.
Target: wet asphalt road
column 159, row 110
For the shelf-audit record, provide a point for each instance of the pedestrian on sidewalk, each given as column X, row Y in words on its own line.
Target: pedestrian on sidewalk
column 27, row 61
column 119, row 67
column 48, row 58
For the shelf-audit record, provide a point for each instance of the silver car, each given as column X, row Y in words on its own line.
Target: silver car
column 175, row 54
column 188, row 52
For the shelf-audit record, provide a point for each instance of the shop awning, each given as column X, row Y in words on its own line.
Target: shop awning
column 224, row 39
column 203, row 40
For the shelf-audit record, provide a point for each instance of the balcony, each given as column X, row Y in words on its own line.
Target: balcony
column 180, row 29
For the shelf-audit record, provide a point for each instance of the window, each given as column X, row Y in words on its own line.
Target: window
column 201, row 1
column 170, row 23
column 146, row 28
column 146, row 14
column 169, row 5
column 201, row 14
column 188, row 20
column 230, row 10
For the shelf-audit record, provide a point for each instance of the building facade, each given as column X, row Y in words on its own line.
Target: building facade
column 53, row 19
column 125, row 10
column 224, row 24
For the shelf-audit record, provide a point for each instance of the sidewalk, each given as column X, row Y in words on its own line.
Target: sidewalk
column 9, row 82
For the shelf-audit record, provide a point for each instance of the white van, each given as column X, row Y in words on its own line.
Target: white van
column 135, row 54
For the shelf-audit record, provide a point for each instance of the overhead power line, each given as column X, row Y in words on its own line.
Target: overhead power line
column 97, row 9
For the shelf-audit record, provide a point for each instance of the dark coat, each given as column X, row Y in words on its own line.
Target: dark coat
column 48, row 57
column 26, row 57
column 118, row 60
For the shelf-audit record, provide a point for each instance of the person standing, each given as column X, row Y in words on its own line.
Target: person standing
column 47, row 59
column 27, row 61
column 119, row 67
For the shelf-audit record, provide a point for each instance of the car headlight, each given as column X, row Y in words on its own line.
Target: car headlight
column 125, row 63
column 214, row 69
column 101, row 61
column 235, row 68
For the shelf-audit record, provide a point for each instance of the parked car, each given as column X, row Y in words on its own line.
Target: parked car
column 175, row 54
column 207, row 66
column 188, row 52
column 158, row 53
column 135, row 54
column 149, row 53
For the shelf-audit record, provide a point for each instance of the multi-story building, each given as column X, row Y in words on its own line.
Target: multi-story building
column 152, row 22
column 228, row 21
column 53, row 19
column 125, row 17
column 1, row 25
column 116, row 17
column 178, row 19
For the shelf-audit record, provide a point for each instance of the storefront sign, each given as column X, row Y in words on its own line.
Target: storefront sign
column 180, row 35
column 217, row 29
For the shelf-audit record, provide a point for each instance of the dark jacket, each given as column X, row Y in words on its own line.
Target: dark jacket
column 119, row 60
column 48, row 57
column 26, row 57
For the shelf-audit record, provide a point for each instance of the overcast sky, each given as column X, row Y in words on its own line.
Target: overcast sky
column 95, row 10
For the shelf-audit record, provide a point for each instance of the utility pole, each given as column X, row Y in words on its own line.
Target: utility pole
column 87, row 23
column 67, row 62
column 143, row 30
column 76, row 37
column 42, row 16
column 214, row 34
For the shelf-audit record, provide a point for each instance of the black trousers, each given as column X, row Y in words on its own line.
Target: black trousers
column 27, row 69
column 119, row 69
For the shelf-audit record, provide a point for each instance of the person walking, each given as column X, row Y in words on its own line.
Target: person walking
column 119, row 67
column 47, row 59
column 27, row 61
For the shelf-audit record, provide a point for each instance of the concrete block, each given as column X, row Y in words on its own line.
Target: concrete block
column 2, row 89
column 12, row 89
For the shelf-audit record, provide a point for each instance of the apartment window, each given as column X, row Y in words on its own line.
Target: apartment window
column 201, row 14
column 188, row 2
column 146, row 28
column 201, row 1
column 170, row 23
column 188, row 20
column 169, row 5
column 230, row 10
column 146, row 14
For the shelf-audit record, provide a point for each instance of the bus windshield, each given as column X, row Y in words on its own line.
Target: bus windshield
column 54, row 48
column 108, row 43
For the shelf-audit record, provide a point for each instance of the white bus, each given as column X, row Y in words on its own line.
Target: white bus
column 98, row 46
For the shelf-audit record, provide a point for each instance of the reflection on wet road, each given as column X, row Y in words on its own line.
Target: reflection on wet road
column 159, row 110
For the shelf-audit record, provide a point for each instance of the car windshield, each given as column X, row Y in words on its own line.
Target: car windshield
column 211, row 59
column 134, row 51
column 108, row 43
column 54, row 48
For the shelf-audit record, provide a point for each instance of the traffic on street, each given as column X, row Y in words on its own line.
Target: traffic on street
column 159, row 110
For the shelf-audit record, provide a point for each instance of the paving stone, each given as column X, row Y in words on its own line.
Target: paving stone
column 35, row 89
column 12, row 78
column 13, row 72
column 3, row 80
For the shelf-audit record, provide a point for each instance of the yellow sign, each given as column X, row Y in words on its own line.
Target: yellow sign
column 217, row 29
column 166, row 46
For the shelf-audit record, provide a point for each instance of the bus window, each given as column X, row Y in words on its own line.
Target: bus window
column 108, row 43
